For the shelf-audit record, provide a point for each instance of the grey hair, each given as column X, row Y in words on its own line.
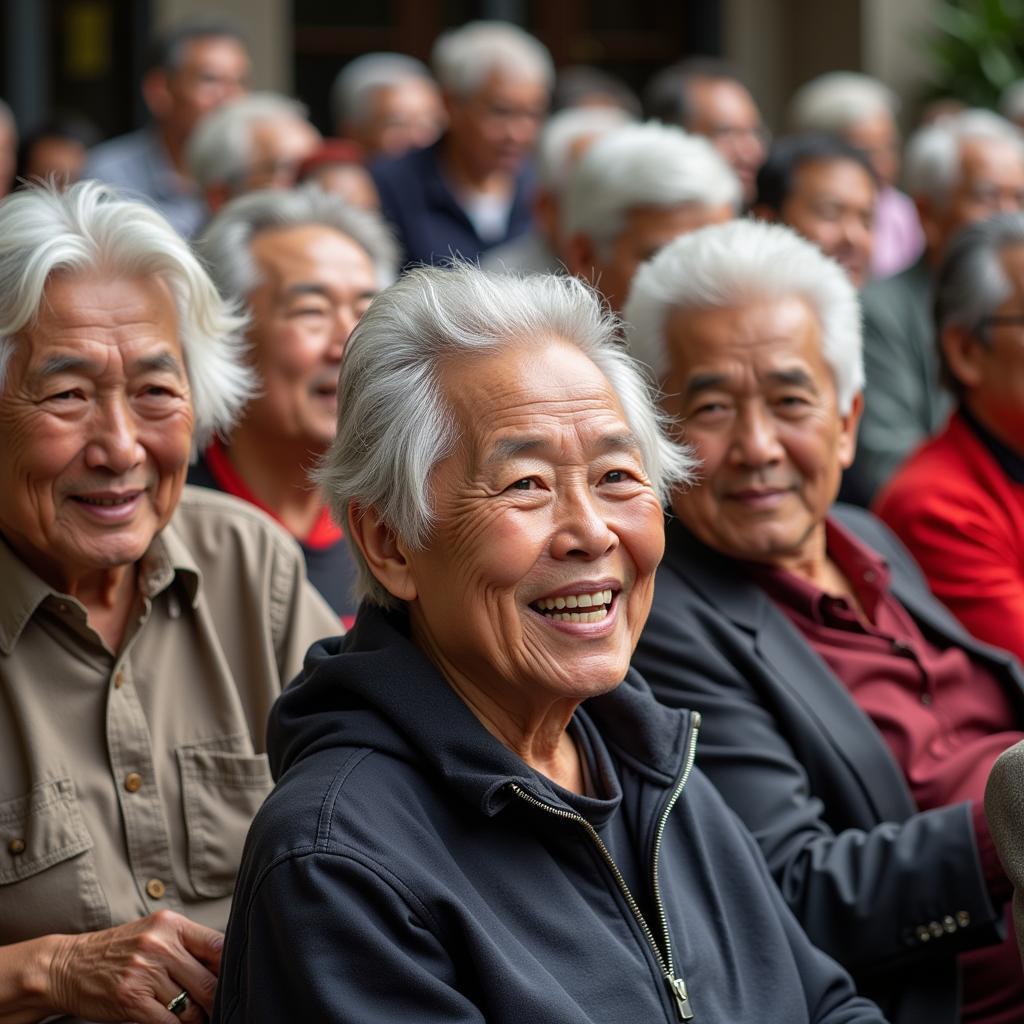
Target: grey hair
column 220, row 146
column 395, row 424
column 561, row 133
column 463, row 57
column 648, row 164
column 972, row 283
column 931, row 166
column 738, row 263
column 89, row 227
column 836, row 101
column 225, row 245
column 361, row 77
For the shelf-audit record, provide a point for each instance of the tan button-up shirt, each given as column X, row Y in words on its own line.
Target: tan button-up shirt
column 128, row 780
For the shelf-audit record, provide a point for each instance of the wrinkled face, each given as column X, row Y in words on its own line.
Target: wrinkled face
column 315, row 284
column 95, row 426
column 878, row 139
column 213, row 70
column 832, row 203
column 726, row 113
column 406, row 115
column 540, row 573
column 757, row 401
column 277, row 147
column 495, row 128
column 646, row 230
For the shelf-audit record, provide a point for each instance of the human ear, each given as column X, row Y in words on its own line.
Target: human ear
column 581, row 256
column 156, row 93
column 961, row 350
column 848, row 422
column 385, row 553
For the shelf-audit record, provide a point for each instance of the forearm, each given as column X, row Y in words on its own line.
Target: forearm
column 25, row 981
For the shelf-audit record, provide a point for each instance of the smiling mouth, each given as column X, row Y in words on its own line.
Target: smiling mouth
column 592, row 607
column 105, row 502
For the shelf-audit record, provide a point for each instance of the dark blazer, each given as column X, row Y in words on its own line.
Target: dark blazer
column 890, row 892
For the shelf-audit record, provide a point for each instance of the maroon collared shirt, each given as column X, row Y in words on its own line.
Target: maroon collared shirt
column 945, row 717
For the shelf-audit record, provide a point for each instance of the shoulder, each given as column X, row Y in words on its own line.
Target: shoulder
column 406, row 170
column 116, row 159
column 892, row 300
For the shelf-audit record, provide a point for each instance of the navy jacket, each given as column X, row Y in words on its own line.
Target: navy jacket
column 431, row 225
column 891, row 892
column 410, row 867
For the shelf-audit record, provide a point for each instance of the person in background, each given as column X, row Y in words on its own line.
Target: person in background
column 958, row 501
column 253, row 143
column 56, row 150
column 8, row 148
column 192, row 69
column 146, row 627
column 826, row 191
column 471, row 190
column 337, row 166
column 387, row 103
column 635, row 190
column 563, row 140
column 304, row 266
column 861, row 110
column 958, row 170
column 707, row 97
column 850, row 720
column 581, row 85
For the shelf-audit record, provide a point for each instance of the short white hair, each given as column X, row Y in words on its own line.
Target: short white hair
column 931, row 167
column 561, row 133
column 356, row 82
column 226, row 244
column 395, row 423
column 463, row 58
column 90, row 228
column 836, row 101
column 648, row 164
column 220, row 146
column 738, row 263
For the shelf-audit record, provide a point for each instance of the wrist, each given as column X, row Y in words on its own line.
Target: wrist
column 38, row 972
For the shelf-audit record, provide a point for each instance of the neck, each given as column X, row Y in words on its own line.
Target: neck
column 982, row 415
column 465, row 174
column 175, row 147
column 277, row 473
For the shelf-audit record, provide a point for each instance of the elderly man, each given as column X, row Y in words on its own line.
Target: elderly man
column 958, row 502
column 635, row 190
column 193, row 69
column 959, row 170
column 304, row 266
column 862, row 111
column 471, row 190
column 707, row 97
column 825, row 190
column 850, row 720
column 257, row 142
column 145, row 627
column 388, row 103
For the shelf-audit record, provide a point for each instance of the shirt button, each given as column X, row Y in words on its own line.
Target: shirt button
column 926, row 699
column 156, row 889
column 902, row 648
column 922, row 933
column 949, row 924
column 15, row 847
column 936, row 929
column 963, row 919
column 119, row 679
column 133, row 782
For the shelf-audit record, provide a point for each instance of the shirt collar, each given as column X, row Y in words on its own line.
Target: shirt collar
column 1009, row 461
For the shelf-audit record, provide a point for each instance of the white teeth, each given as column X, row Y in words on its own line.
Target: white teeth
column 559, row 602
column 107, row 501
column 584, row 601
column 600, row 600
column 579, row 616
column 571, row 601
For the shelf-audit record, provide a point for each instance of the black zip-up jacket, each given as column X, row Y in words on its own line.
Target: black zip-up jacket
column 408, row 867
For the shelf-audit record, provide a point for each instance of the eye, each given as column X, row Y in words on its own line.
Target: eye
column 617, row 476
column 527, row 483
column 65, row 396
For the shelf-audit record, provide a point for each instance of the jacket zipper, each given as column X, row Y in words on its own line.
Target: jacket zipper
column 676, row 985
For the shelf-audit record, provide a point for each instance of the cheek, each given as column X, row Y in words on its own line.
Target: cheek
column 642, row 530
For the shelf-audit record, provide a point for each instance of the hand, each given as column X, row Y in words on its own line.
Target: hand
column 133, row 971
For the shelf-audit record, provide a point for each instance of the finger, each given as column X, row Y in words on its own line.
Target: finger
column 196, row 980
column 186, row 1011
column 205, row 944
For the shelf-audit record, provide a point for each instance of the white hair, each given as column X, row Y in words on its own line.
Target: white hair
column 225, row 244
column 220, row 146
column 736, row 264
column 836, row 101
column 648, row 164
column 89, row 227
column 360, row 78
column 462, row 58
column 395, row 423
column 931, row 166
column 563, row 131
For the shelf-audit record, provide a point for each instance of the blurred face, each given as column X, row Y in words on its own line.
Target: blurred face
column 277, row 148
column 877, row 138
column 350, row 181
column 95, row 426
column 407, row 115
column 646, row 230
column 495, row 129
column 213, row 70
column 540, row 573
column 832, row 203
column 726, row 113
column 57, row 157
column 757, row 401
column 315, row 285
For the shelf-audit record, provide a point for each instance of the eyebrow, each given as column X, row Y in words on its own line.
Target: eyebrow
column 508, row 448
column 54, row 366
column 301, row 288
column 162, row 361
column 795, row 377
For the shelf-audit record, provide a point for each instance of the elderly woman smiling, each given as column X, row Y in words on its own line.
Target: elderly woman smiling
column 475, row 817
column 145, row 629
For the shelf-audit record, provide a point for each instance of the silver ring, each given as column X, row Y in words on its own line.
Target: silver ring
column 179, row 1004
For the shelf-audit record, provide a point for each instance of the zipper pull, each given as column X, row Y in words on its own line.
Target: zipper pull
column 682, row 998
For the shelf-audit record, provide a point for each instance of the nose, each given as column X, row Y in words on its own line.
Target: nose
column 113, row 443
column 344, row 323
column 582, row 531
column 755, row 442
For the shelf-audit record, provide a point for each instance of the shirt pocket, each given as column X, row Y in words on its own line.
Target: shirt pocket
column 221, row 793
column 48, row 878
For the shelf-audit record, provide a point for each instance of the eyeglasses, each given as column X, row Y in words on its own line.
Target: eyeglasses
column 1006, row 320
